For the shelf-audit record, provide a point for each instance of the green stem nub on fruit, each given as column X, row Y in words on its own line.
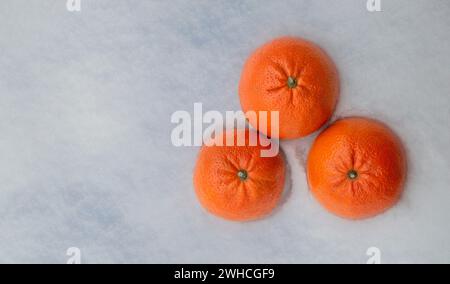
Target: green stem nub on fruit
column 291, row 82
column 242, row 174
column 352, row 174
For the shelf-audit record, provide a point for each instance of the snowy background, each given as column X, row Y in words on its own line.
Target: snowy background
column 86, row 98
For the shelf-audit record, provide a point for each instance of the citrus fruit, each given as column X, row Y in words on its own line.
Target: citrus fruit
column 294, row 77
column 235, row 182
column 356, row 168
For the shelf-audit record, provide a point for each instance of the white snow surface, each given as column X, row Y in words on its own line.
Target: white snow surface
column 86, row 158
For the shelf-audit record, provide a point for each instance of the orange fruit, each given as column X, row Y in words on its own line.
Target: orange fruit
column 235, row 182
column 356, row 168
column 294, row 77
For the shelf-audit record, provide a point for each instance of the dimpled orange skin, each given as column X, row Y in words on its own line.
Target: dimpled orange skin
column 224, row 193
column 356, row 168
column 296, row 78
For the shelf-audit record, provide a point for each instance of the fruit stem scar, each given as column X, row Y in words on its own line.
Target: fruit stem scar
column 291, row 82
column 243, row 175
column 352, row 174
